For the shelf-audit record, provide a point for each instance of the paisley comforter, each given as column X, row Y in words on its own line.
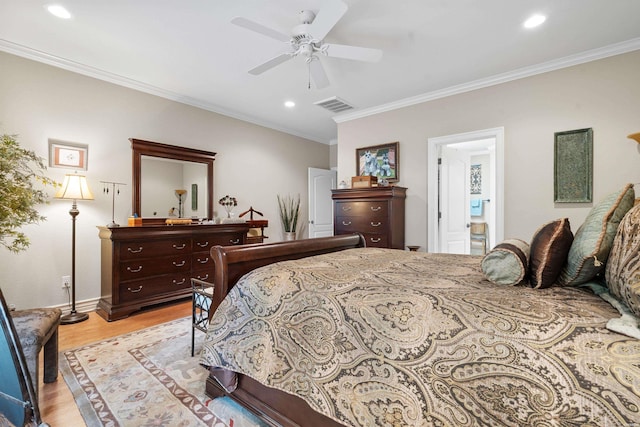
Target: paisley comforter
column 379, row 337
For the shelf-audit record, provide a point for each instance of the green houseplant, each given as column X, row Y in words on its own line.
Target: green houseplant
column 20, row 171
column 289, row 213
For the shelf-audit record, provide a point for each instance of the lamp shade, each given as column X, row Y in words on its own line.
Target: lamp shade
column 74, row 187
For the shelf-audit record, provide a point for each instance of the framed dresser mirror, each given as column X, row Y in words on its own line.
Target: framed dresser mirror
column 171, row 181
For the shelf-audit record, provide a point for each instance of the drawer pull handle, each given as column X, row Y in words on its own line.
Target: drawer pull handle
column 234, row 242
column 136, row 270
column 181, row 282
column 206, row 276
column 135, row 291
column 135, row 251
column 373, row 240
column 203, row 245
column 179, row 264
column 346, row 208
column 376, row 208
column 179, row 247
column 346, row 222
column 203, row 261
column 376, row 224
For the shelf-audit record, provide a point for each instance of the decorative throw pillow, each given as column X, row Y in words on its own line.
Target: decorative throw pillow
column 550, row 245
column 592, row 242
column 622, row 273
column 506, row 264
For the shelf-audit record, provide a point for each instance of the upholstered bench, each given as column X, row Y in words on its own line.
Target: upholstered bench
column 38, row 328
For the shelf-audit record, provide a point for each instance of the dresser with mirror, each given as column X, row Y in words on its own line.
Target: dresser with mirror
column 153, row 263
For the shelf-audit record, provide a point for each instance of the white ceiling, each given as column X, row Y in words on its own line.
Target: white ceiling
column 189, row 51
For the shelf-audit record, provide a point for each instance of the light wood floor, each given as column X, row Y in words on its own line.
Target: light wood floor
column 57, row 406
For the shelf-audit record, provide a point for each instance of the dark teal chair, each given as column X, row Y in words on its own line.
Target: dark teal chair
column 18, row 401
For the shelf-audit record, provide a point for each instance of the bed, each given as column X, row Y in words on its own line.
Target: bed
column 326, row 332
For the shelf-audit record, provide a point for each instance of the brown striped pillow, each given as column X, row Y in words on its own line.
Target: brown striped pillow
column 506, row 264
column 549, row 249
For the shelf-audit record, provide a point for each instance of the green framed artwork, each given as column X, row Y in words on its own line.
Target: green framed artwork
column 573, row 166
column 194, row 197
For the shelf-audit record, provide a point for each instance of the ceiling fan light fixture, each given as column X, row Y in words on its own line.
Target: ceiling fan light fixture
column 289, row 104
column 534, row 21
column 307, row 40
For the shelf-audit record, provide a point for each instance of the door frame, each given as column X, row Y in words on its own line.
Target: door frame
column 496, row 206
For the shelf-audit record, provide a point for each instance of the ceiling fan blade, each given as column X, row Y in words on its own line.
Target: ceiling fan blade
column 318, row 74
column 327, row 18
column 352, row 52
column 270, row 64
column 260, row 29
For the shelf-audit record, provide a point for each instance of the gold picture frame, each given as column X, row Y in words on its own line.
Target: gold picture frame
column 381, row 161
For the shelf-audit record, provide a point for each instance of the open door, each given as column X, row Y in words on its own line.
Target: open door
column 454, row 201
column 321, row 182
column 489, row 142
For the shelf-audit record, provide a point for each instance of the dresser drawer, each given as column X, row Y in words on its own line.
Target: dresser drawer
column 346, row 224
column 376, row 240
column 137, row 269
column 153, row 248
column 227, row 239
column 201, row 260
column 206, row 274
column 154, row 286
column 202, row 244
column 364, row 208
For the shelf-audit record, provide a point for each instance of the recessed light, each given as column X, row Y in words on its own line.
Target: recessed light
column 58, row 11
column 534, row 21
column 289, row 104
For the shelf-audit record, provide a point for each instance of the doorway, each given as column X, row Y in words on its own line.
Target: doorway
column 452, row 160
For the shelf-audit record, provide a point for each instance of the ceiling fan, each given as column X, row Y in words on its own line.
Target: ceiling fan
column 307, row 40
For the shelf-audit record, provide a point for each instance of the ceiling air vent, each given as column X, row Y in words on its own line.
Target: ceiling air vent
column 334, row 104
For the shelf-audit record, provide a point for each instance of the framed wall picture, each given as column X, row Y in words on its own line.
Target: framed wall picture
column 476, row 179
column 573, row 166
column 68, row 155
column 382, row 161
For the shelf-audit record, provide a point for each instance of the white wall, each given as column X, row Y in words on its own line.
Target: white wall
column 38, row 102
column 603, row 95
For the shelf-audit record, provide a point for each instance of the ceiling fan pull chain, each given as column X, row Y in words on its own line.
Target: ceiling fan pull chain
column 308, row 74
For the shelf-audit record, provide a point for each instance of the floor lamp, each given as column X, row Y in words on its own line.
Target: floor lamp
column 74, row 187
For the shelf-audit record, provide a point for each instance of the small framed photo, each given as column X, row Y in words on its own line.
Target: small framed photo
column 381, row 161
column 68, row 155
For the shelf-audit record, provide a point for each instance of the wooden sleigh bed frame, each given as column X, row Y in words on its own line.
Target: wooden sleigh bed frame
column 274, row 407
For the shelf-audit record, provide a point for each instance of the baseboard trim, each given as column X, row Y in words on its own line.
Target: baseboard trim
column 81, row 306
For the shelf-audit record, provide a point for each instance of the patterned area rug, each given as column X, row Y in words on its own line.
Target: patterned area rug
column 147, row 378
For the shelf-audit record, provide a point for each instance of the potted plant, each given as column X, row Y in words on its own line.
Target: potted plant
column 20, row 170
column 289, row 213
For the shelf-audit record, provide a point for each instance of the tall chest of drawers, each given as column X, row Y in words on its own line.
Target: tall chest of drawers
column 377, row 213
column 147, row 265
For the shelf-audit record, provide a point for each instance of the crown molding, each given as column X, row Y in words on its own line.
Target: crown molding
column 568, row 61
column 76, row 67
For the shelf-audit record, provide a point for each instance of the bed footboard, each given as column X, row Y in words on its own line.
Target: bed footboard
column 232, row 262
column 275, row 407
